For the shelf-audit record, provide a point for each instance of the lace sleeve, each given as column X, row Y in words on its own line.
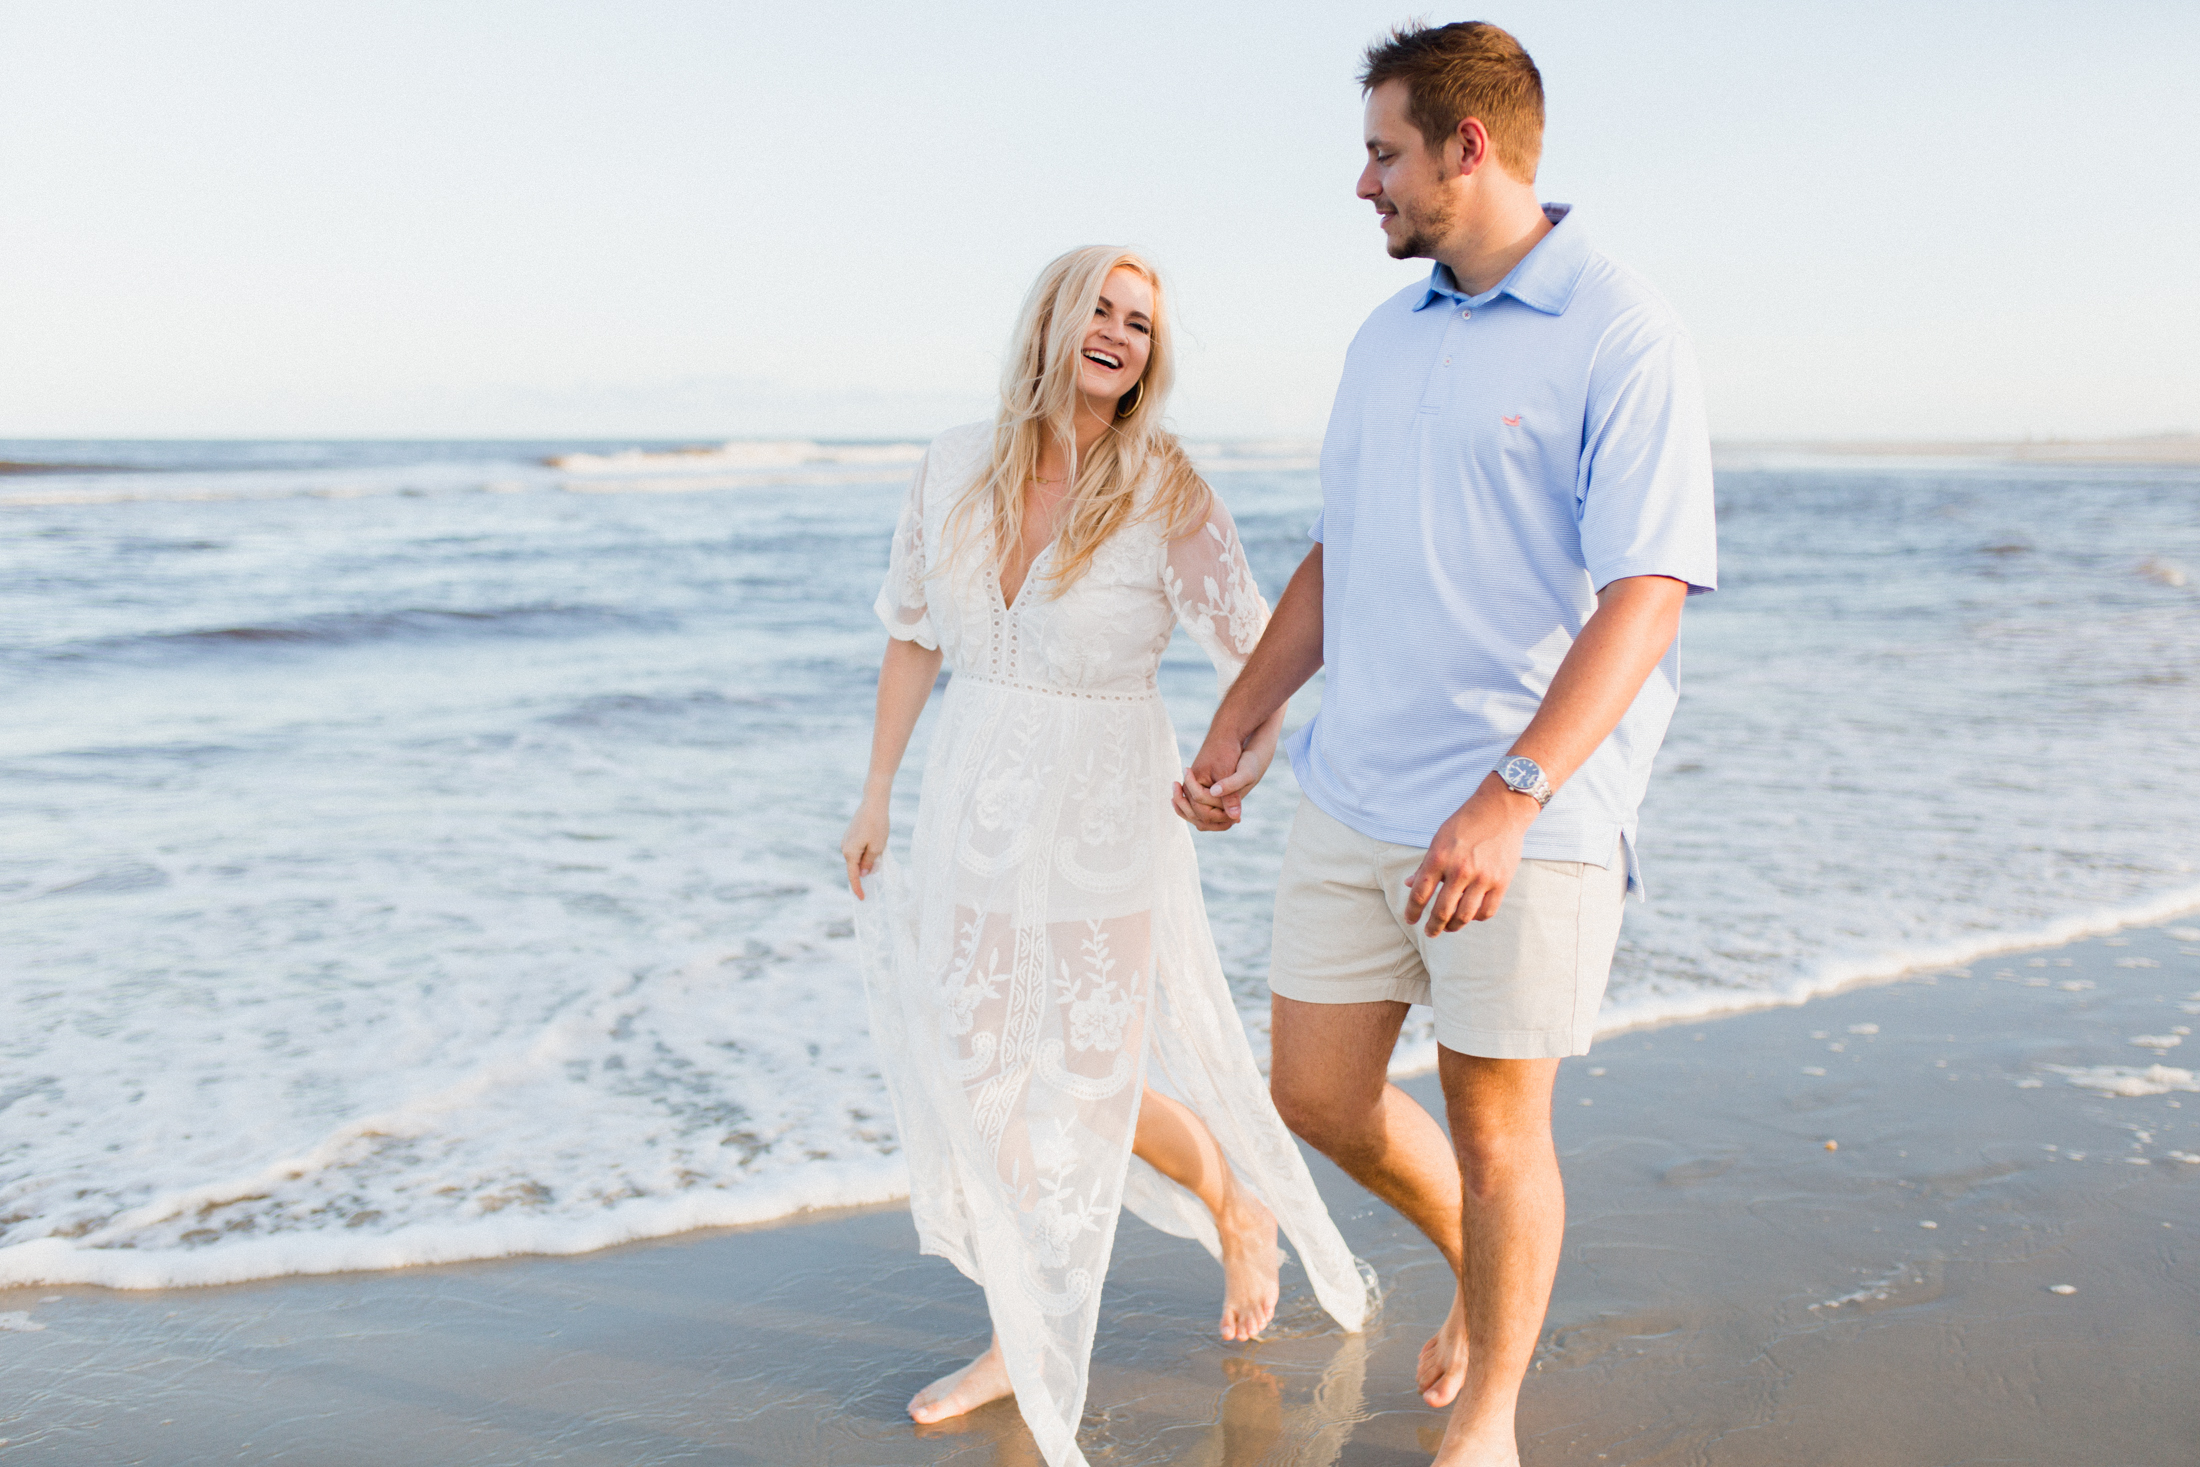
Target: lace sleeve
column 901, row 604
column 1212, row 592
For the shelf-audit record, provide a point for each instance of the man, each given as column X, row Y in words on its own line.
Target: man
column 1516, row 488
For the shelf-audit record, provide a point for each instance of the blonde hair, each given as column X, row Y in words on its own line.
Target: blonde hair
column 1039, row 399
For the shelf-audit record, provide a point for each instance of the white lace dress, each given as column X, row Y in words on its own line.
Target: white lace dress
column 1044, row 954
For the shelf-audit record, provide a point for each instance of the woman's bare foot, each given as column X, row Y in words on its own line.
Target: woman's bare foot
column 983, row 1379
column 1250, row 1262
column 1443, row 1366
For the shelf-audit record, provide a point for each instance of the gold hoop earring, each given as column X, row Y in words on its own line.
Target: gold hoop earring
column 1135, row 396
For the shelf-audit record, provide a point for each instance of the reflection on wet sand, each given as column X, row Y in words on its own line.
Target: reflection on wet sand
column 1264, row 1416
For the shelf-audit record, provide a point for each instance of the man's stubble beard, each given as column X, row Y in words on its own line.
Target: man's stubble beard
column 1425, row 231
column 1413, row 247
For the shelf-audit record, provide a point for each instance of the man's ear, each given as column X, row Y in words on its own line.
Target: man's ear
column 1474, row 145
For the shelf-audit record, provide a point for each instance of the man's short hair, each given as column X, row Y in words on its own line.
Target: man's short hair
column 1470, row 69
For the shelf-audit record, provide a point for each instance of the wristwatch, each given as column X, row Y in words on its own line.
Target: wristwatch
column 1524, row 776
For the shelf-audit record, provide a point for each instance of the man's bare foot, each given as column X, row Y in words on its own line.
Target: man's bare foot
column 1482, row 1444
column 983, row 1379
column 1443, row 1366
column 1250, row 1262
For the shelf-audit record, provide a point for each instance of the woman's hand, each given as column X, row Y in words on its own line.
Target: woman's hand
column 1260, row 752
column 865, row 842
column 1222, row 804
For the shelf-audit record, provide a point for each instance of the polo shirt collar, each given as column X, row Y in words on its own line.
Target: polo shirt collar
column 1545, row 277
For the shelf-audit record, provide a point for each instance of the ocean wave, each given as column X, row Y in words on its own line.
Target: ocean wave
column 742, row 464
column 542, row 952
column 736, row 455
column 351, row 628
column 245, row 491
column 630, row 712
column 18, row 466
column 1655, row 1010
column 626, row 1113
column 799, row 477
column 318, row 1209
column 55, row 1261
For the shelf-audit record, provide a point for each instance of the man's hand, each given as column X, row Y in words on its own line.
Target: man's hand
column 1212, row 793
column 1219, row 757
column 1471, row 862
column 1475, row 853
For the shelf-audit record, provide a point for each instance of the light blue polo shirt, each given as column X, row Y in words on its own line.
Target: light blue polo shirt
column 1491, row 462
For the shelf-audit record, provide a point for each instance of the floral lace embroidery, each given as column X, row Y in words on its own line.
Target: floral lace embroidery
column 1043, row 944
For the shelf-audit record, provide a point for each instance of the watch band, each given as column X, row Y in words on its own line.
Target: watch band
column 1524, row 776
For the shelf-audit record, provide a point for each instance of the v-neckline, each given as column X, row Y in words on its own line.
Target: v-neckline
column 1000, row 592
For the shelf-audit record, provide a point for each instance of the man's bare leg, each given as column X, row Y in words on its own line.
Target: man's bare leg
column 1177, row 1144
column 983, row 1379
column 1514, row 1220
column 1330, row 1079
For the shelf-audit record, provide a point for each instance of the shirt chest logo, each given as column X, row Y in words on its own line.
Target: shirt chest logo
column 1511, row 422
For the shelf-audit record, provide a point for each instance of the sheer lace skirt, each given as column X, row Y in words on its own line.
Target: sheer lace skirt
column 1044, row 948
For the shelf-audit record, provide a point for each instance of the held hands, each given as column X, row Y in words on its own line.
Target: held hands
column 1471, row 862
column 1212, row 793
column 865, row 841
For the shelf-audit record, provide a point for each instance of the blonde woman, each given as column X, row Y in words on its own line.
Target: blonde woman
column 1050, row 1014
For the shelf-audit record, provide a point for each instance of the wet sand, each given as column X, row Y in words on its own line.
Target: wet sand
column 1732, row 1292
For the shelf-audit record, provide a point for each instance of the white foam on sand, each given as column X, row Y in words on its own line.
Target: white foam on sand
column 1650, row 1009
column 2127, row 1081
column 67, row 1261
column 576, row 1139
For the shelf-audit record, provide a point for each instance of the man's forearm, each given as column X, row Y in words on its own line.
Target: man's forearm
column 1472, row 859
column 1289, row 652
column 1622, row 642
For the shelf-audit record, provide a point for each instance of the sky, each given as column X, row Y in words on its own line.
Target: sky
column 662, row 218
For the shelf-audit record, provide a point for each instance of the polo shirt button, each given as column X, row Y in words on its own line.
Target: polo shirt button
column 1466, row 315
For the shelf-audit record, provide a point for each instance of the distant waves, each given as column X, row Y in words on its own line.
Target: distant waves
column 339, row 628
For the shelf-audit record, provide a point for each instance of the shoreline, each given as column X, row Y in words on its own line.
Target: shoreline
column 791, row 1201
column 1733, row 1291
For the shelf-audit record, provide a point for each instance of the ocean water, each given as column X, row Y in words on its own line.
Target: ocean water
column 425, row 851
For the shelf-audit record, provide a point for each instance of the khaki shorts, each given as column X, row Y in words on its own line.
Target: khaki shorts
column 1524, row 985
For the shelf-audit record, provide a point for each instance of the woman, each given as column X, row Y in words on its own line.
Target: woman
column 1044, row 988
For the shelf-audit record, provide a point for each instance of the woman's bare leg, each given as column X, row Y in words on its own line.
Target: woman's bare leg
column 983, row 1379
column 1177, row 1144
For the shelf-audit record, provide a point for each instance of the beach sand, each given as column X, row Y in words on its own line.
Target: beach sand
column 1733, row 1292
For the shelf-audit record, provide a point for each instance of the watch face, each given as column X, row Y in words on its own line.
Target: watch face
column 1521, row 772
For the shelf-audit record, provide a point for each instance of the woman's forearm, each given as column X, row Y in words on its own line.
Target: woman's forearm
column 905, row 679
